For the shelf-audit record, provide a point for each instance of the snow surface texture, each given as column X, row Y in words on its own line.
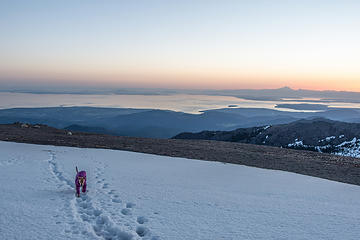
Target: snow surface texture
column 142, row 196
column 349, row 148
column 346, row 148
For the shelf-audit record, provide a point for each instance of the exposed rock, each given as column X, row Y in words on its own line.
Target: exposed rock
column 338, row 168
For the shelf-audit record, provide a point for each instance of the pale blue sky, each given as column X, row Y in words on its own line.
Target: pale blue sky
column 200, row 44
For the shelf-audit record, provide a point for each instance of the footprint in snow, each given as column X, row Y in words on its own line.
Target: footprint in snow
column 126, row 211
column 116, row 200
column 130, row 205
column 142, row 231
column 141, row 220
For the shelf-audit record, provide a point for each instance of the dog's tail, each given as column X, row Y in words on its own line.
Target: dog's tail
column 77, row 171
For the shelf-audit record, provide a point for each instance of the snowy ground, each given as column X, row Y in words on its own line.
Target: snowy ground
column 346, row 148
column 141, row 196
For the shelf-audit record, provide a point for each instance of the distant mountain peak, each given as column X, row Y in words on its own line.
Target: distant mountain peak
column 286, row 88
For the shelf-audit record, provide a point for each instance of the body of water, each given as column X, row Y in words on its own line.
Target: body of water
column 177, row 102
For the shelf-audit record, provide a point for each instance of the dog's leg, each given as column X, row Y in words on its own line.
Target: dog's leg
column 84, row 187
column 77, row 190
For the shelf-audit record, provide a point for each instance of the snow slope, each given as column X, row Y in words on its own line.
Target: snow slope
column 142, row 196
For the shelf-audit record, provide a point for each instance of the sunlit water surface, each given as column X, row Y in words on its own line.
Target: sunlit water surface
column 178, row 102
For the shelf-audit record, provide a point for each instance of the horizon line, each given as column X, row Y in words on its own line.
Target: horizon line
column 76, row 87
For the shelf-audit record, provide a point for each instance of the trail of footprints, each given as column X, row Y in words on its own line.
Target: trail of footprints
column 141, row 230
column 95, row 222
column 12, row 160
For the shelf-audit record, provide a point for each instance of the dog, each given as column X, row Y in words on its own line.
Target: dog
column 80, row 181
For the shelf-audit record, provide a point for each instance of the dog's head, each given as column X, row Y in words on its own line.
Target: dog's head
column 81, row 181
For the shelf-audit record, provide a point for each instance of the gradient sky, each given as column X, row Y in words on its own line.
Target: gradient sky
column 182, row 44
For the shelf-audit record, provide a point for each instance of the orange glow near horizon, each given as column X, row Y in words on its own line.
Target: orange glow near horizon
column 188, row 44
column 194, row 80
